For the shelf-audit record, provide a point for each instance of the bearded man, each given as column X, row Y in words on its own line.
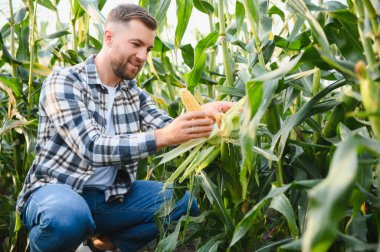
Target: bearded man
column 95, row 124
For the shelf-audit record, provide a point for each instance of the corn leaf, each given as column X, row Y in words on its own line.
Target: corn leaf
column 233, row 91
column 216, row 200
column 202, row 155
column 299, row 7
column 92, row 9
column 280, row 71
column 184, row 8
column 329, row 198
column 239, row 13
column 182, row 167
column 195, row 74
column 158, row 9
column 181, row 149
column 212, row 244
column 301, row 115
column 11, row 124
column 246, row 223
column 48, row 4
column 38, row 68
column 282, row 204
column 204, row 6
column 252, row 11
column 20, row 15
column 169, row 243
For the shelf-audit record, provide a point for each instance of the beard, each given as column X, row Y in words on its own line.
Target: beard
column 126, row 70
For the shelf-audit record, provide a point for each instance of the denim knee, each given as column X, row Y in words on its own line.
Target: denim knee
column 58, row 219
column 61, row 231
column 70, row 225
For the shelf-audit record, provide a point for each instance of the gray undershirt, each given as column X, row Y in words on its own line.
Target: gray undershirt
column 103, row 177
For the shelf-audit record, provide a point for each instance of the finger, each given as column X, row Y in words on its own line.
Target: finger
column 199, row 135
column 225, row 106
column 200, row 122
column 194, row 115
column 199, row 130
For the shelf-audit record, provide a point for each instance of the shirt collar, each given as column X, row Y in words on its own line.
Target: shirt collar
column 93, row 76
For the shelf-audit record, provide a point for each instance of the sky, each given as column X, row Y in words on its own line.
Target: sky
column 198, row 21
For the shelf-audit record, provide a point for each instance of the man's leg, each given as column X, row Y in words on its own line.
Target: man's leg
column 130, row 225
column 58, row 219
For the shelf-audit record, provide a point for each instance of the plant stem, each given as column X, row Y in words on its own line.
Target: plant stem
column 273, row 121
column 336, row 116
column 212, row 56
column 73, row 30
column 32, row 11
column 12, row 23
column 315, row 89
column 254, row 33
column 210, row 88
column 372, row 15
column 167, row 77
column 367, row 43
column 222, row 33
column 279, row 172
column 16, row 155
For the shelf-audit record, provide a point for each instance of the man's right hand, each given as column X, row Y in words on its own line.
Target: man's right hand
column 184, row 128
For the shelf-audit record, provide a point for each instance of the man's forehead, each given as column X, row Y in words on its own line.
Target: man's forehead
column 126, row 25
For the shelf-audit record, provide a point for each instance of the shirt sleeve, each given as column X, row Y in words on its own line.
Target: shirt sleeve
column 62, row 101
column 151, row 117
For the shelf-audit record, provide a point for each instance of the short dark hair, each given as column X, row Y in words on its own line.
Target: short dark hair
column 128, row 12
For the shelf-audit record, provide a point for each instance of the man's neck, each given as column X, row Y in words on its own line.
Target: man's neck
column 104, row 69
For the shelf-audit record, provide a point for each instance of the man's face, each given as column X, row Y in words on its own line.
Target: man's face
column 130, row 46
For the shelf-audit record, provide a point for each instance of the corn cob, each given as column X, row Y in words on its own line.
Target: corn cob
column 189, row 101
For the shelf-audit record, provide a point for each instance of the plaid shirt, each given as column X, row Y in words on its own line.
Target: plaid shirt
column 71, row 132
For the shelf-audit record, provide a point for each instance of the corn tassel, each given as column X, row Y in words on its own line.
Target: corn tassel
column 189, row 101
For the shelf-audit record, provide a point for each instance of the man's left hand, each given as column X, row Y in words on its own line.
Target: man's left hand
column 214, row 109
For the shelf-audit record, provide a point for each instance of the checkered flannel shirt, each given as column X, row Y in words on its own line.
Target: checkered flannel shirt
column 71, row 132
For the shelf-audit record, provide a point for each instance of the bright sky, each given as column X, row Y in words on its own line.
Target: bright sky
column 198, row 21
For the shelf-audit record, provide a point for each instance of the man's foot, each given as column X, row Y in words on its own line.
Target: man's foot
column 100, row 243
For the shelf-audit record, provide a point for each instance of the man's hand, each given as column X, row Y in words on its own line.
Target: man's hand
column 184, row 128
column 213, row 109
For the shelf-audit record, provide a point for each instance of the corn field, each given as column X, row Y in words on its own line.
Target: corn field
column 293, row 166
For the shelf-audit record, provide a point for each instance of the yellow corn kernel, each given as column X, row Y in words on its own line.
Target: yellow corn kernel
column 218, row 119
column 189, row 101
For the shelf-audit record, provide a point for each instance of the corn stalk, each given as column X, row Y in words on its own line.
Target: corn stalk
column 222, row 34
column 32, row 12
column 12, row 42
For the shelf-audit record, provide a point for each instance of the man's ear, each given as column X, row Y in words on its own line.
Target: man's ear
column 108, row 37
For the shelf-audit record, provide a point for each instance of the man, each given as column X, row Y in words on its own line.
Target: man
column 94, row 126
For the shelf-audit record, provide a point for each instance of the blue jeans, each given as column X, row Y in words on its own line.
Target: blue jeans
column 59, row 219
